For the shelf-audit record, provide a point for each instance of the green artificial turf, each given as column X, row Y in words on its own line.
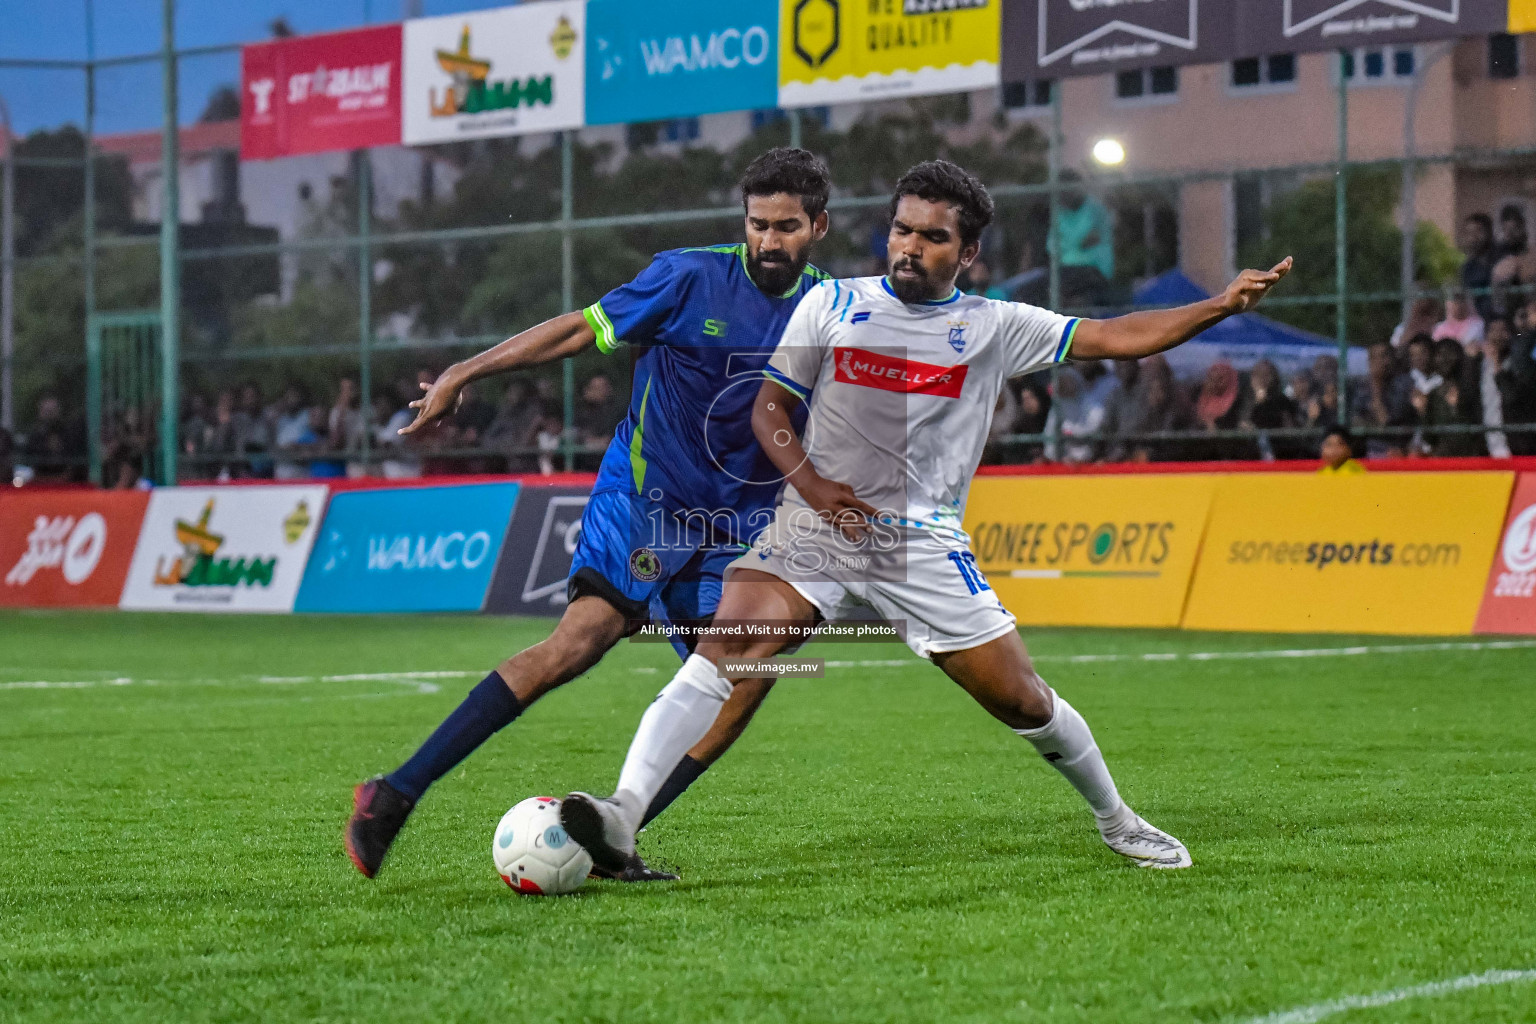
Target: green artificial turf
column 875, row 849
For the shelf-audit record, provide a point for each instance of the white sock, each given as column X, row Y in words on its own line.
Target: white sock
column 676, row 720
column 1067, row 743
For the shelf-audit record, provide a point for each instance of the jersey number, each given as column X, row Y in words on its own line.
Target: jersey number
column 965, row 562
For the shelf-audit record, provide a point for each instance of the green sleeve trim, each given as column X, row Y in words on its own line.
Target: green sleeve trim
column 607, row 338
column 1066, row 340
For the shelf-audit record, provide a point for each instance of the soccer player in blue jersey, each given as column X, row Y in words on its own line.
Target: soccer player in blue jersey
column 683, row 487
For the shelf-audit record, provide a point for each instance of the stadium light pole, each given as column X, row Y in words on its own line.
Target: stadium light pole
column 7, row 273
column 170, row 246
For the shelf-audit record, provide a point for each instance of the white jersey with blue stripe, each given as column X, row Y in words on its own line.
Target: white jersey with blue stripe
column 902, row 395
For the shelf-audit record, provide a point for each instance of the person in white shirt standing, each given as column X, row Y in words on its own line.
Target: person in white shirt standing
column 901, row 374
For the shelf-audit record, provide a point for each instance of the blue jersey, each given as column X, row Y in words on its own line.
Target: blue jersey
column 704, row 332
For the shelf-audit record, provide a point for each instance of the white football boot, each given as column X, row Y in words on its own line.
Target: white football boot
column 1148, row 846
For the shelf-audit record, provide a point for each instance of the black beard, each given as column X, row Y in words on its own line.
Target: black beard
column 774, row 278
column 911, row 290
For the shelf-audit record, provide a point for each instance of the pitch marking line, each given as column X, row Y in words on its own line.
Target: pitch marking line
column 1319, row 1011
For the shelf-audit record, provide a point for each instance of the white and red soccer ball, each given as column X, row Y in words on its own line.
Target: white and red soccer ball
column 533, row 854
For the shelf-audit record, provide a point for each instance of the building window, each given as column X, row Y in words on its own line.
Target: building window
column 680, row 129
column 1132, row 85
column 773, row 115
column 1027, row 95
column 1503, row 56
column 1375, row 65
column 1276, row 69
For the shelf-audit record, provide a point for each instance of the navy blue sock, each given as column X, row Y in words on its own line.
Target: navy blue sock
column 687, row 771
column 490, row 706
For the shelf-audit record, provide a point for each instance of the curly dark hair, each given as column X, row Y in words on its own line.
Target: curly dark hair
column 940, row 181
column 795, row 172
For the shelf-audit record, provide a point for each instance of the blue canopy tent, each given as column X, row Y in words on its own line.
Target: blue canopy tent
column 1240, row 340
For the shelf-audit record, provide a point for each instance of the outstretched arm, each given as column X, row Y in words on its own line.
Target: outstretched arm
column 566, row 335
column 775, row 431
column 1146, row 333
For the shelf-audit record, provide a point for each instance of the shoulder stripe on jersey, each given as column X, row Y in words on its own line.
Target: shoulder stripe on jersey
column 597, row 319
column 730, row 249
column 1068, row 332
column 811, row 270
column 800, row 391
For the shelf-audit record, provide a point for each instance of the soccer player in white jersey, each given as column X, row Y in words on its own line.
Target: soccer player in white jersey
column 902, row 374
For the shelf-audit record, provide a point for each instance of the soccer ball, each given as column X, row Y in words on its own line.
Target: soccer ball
column 532, row 852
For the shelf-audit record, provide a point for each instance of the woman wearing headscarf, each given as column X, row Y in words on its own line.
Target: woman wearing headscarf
column 1216, row 409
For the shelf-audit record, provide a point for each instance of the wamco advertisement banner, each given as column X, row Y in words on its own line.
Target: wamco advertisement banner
column 1509, row 599
column 841, row 51
column 507, row 71
column 67, row 547
column 646, row 62
column 530, row 580
column 1089, row 550
column 311, row 94
column 1404, row 553
column 408, row 549
column 223, row 549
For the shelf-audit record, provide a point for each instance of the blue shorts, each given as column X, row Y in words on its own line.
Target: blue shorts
column 639, row 558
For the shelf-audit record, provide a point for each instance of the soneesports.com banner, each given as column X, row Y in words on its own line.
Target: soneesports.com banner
column 1404, row 553
column 844, row 51
column 1089, row 550
column 1509, row 599
column 223, row 549
column 508, row 71
column 60, row 548
column 408, row 549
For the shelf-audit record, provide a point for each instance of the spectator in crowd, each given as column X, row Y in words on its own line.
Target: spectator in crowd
column 1338, row 454
column 7, row 457
column 598, row 414
column 978, row 281
column 1497, row 384
column 1150, row 404
column 1005, row 415
column 321, row 445
column 1519, row 391
column 547, row 440
column 1381, row 401
column 1422, row 382
column 392, row 413
column 1513, row 268
column 1423, row 317
column 1477, row 270
column 1074, row 413
column 254, row 432
column 1263, row 406
column 1122, row 402
column 53, row 448
column 1461, row 323
column 1034, row 412
column 1451, row 403
column 221, row 441
column 291, row 433
column 195, row 425
column 1086, row 234
column 515, row 429
column 1216, row 409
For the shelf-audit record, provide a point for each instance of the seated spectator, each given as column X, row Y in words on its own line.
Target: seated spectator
column 1215, row 410
column 1519, row 391
column 1034, row 412
column 392, row 415
column 1476, row 244
column 1338, row 454
column 195, row 425
column 53, row 448
column 978, row 281
column 1497, row 384
column 598, row 413
column 1004, row 415
column 320, row 443
column 1423, row 317
column 1150, row 405
column 470, row 421
column 1513, row 268
column 1381, row 401
column 515, row 429
column 1461, row 323
column 1451, row 403
column 221, row 441
column 1264, row 405
column 1073, row 414
column 547, row 440
column 291, row 433
column 254, row 432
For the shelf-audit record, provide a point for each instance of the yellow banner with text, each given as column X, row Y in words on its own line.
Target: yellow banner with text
column 1404, row 553
column 1090, row 550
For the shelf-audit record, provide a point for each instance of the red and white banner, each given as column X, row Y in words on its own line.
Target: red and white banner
column 67, row 547
column 310, row 94
column 1509, row 602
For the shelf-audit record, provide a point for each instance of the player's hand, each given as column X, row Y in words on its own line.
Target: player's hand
column 1252, row 285
column 837, row 504
column 442, row 397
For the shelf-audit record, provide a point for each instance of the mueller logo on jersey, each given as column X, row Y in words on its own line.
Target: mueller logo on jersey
column 889, row 373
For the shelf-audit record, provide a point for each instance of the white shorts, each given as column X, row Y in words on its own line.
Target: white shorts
column 924, row 583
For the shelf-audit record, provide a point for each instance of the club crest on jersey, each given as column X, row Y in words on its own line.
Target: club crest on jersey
column 859, row 317
column 957, row 334
column 644, row 565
